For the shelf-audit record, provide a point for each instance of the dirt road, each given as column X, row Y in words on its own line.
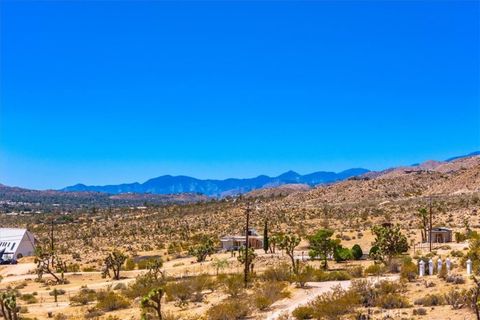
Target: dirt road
column 302, row 297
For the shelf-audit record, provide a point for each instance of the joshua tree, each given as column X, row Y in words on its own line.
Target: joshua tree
column 203, row 250
column 389, row 242
column 288, row 243
column 8, row 305
column 422, row 216
column 153, row 300
column 220, row 264
column 49, row 262
column 114, row 261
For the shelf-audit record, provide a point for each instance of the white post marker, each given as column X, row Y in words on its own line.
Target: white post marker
column 439, row 265
column 469, row 267
column 448, row 263
column 430, row 267
column 421, row 265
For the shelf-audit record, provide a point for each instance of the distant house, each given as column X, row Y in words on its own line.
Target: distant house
column 16, row 243
column 235, row 242
column 440, row 235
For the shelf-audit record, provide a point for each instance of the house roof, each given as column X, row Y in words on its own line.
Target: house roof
column 441, row 229
column 11, row 235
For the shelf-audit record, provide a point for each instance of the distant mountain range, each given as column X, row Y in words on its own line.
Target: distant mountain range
column 182, row 184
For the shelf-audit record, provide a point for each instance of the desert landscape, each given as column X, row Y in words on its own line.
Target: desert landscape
column 166, row 261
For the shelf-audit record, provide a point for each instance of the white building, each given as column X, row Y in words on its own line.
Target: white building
column 17, row 243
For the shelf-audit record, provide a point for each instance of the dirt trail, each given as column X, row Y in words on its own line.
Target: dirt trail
column 302, row 297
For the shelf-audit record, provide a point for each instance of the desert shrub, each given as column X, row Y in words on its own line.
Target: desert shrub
column 108, row 300
column 357, row 252
column 387, row 287
column 231, row 309
column 93, row 313
column 431, row 300
column 120, row 286
column 199, row 284
column 58, row 292
column 305, row 274
column 366, row 292
column 180, row 291
column 303, row 313
column 334, row 304
column 393, row 266
column 460, row 237
column 89, row 269
column 73, row 267
column 321, row 275
column 142, row 285
column 279, row 272
column 408, row 270
column 455, row 298
column 392, row 301
column 268, row 293
column 356, row 271
column 83, row 297
column 375, row 269
column 420, row 312
column 60, row 316
column 129, row 264
column 457, row 253
column 455, row 279
column 233, row 284
column 28, row 298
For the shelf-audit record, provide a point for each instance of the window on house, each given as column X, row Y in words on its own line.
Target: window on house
column 13, row 246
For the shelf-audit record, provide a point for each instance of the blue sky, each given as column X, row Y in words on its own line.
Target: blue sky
column 111, row 92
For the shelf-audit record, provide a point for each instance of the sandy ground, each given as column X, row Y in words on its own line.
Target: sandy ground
column 302, row 297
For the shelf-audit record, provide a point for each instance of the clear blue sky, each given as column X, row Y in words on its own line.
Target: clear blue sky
column 110, row 92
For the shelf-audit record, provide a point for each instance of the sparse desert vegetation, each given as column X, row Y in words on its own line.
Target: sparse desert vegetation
column 349, row 249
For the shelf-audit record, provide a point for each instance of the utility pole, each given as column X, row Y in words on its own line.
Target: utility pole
column 52, row 247
column 245, row 279
column 430, row 234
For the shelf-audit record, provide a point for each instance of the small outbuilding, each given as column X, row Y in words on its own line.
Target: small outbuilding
column 230, row 242
column 16, row 243
column 440, row 235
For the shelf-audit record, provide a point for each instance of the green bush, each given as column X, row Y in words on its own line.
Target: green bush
column 342, row 254
column 357, row 252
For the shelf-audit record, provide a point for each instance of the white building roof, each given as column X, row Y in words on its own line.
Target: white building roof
column 12, row 234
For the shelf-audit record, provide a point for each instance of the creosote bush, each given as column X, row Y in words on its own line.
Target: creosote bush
column 269, row 292
column 108, row 300
column 231, row 309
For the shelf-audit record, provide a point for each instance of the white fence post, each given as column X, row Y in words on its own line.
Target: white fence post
column 430, row 267
column 448, row 263
column 469, row 267
column 421, row 265
column 439, row 265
